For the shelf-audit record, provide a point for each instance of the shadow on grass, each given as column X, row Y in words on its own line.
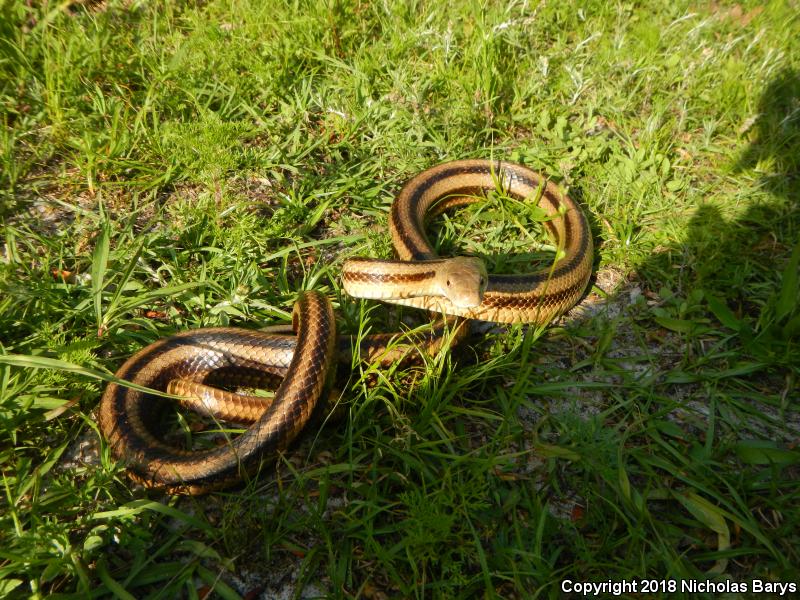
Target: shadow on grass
column 706, row 415
column 745, row 260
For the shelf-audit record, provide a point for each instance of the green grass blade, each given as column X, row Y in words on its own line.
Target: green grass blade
column 789, row 293
column 99, row 267
column 126, row 276
column 43, row 362
column 722, row 312
column 765, row 452
column 113, row 586
column 138, row 506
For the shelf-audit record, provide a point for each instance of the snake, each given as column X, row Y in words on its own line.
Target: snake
column 191, row 364
column 460, row 286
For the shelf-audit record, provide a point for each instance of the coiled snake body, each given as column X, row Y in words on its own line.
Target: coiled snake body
column 185, row 363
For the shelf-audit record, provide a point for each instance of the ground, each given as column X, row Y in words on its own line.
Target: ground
column 166, row 166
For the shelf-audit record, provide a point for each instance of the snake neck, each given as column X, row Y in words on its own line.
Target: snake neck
column 383, row 279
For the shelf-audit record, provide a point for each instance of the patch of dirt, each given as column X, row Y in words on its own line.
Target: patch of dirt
column 608, row 283
column 259, row 192
column 49, row 213
column 735, row 14
column 280, row 582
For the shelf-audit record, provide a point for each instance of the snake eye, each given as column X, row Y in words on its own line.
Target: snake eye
column 448, row 283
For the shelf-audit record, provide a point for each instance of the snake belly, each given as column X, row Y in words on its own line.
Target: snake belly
column 536, row 297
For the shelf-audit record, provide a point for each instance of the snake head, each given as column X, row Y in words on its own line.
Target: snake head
column 463, row 280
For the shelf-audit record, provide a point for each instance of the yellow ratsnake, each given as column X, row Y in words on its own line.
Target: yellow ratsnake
column 187, row 363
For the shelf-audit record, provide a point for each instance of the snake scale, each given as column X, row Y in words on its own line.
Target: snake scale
column 190, row 363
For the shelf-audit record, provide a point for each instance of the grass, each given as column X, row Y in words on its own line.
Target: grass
column 166, row 166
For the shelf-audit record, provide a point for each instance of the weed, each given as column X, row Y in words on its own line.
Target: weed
column 166, row 166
